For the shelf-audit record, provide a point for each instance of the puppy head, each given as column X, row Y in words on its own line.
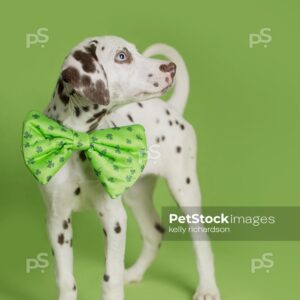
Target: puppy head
column 110, row 71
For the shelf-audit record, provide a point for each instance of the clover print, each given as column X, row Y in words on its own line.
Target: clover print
column 111, row 179
column 138, row 136
column 39, row 149
column 118, row 149
column 132, row 171
column 26, row 145
column 128, row 178
column 109, row 136
column 50, row 127
column 27, row 135
column 94, row 139
column 38, row 172
column 31, row 161
column 50, row 164
column 102, row 152
column 129, row 160
column 97, row 172
column 48, row 178
column 35, row 116
column 61, row 159
column 129, row 129
column 116, row 168
column 128, row 141
column 79, row 144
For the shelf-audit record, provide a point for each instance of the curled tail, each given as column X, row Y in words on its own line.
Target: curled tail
column 181, row 90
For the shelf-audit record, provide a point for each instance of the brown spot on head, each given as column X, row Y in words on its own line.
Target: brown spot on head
column 71, row 75
column 86, row 80
column 86, row 59
column 91, row 49
column 156, row 84
column 97, row 93
column 61, row 239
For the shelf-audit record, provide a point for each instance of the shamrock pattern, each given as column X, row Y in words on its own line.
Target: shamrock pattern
column 117, row 164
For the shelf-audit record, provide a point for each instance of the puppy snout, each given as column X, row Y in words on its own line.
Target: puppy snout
column 168, row 68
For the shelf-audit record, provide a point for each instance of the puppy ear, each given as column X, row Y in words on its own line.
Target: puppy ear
column 83, row 73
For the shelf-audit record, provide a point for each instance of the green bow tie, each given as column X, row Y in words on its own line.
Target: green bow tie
column 118, row 155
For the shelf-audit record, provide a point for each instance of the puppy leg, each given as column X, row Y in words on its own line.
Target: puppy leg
column 60, row 234
column 139, row 198
column 113, row 217
column 187, row 193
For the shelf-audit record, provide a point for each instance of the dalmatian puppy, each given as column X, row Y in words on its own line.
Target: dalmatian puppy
column 104, row 82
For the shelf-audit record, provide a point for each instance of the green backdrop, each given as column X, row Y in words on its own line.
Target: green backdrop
column 244, row 105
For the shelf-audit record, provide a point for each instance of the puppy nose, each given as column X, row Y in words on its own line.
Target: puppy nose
column 171, row 68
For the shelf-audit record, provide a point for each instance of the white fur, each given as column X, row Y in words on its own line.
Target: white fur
column 127, row 83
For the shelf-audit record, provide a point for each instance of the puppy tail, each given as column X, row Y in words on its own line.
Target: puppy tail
column 181, row 89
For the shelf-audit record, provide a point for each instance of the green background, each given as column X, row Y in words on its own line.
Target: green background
column 244, row 105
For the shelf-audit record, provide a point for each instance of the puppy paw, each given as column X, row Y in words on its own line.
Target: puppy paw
column 207, row 294
column 131, row 276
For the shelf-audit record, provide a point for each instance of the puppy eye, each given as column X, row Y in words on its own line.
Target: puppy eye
column 121, row 56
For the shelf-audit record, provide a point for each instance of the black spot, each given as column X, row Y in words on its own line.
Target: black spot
column 94, row 41
column 167, row 112
column 163, row 138
column 98, row 116
column 156, row 84
column 102, row 48
column 178, row 149
column 100, row 214
column 130, row 118
column 86, row 108
column 106, row 278
column 96, row 106
column 140, row 104
column 150, row 75
column 77, row 111
column 71, row 243
column 159, row 228
column 113, row 123
column 82, row 155
column 61, row 239
column 52, row 251
column 188, row 180
column 157, row 140
column 93, row 126
column 176, row 121
column 182, row 126
column 170, row 123
column 105, row 233
column 65, row 224
column 74, row 287
column 54, row 107
column 69, row 220
column 118, row 228
column 77, row 191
